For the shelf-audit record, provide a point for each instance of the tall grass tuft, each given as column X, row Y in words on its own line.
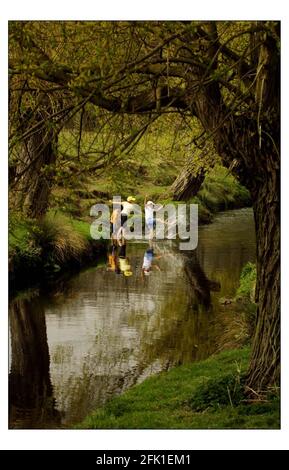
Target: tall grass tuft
column 58, row 239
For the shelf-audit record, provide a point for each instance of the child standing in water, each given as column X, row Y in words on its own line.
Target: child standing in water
column 150, row 209
column 115, row 220
column 148, row 258
column 127, row 207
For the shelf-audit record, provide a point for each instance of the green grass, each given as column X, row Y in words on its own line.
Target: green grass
column 81, row 227
column 192, row 396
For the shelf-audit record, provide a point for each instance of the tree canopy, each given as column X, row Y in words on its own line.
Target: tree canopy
column 140, row 70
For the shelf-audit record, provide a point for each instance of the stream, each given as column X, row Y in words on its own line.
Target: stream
column 93, row 336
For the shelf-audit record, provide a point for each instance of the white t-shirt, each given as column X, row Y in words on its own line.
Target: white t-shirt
column 127, row 207
column 149, row 212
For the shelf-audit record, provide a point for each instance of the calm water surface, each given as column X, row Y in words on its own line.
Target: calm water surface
column 99, row 333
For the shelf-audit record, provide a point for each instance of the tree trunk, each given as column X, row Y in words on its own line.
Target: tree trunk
column 37, row 166
column 256, row 163
column 187, row 184
column 258, row 168
column 34, row 173
column 264, row 367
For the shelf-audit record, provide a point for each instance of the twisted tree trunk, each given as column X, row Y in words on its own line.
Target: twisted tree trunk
column 187, row 184
column 249, row 145
column 264, row 368
column 33, row 176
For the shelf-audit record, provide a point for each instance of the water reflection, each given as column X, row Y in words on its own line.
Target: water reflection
column 107, row 330
column 199, row 283
column 119, row 263
column 31, row 402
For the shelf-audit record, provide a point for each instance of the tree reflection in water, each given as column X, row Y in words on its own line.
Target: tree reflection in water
column 31, row 402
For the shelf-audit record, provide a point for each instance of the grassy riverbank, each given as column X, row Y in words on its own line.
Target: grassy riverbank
column 209, row 394
column 48, row 246
column 202, row 395
column 220, row 191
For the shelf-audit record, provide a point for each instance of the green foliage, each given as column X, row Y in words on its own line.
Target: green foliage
column 241, row 313
column 221, row 191
column 22, row 247
column 247, row 281
column 246, row 294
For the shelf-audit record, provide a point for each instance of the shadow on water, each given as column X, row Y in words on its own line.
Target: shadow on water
column 201, row 286
column 109, row 328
